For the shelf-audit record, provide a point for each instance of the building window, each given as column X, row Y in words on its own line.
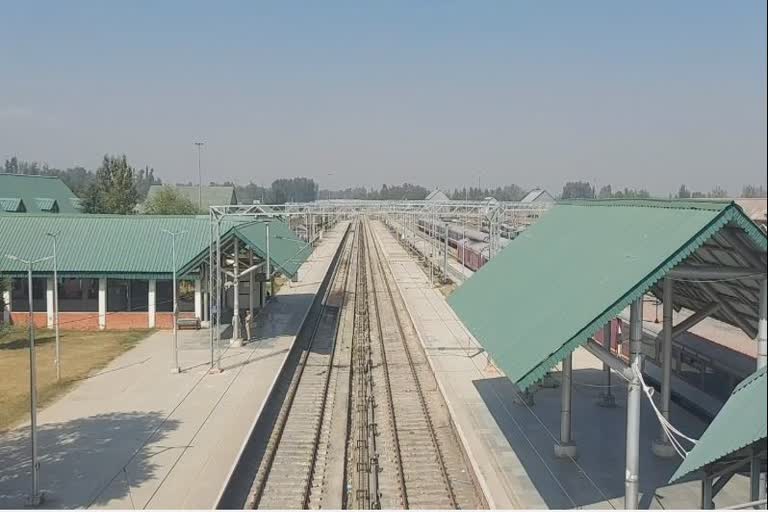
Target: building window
column 20, row 296
column 127, row 295
column 78, row 294
column 186, row 296
column 164, row 296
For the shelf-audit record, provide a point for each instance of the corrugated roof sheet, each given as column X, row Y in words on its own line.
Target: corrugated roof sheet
column 212, row 195
column 126, row 245
column 537, row 194
column 563, row 278
column 741, row 422
column 12, row 204
column 37, row 192
column 46, row 204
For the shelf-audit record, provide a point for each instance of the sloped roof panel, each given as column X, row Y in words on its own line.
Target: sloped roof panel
column 34, row 190
column 12, row 204
column 740, row 423
column 566, row 276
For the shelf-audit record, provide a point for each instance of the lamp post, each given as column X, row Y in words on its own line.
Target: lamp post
column 199, row 175
column 56, row 306
column 175, row 349
column 36, row 497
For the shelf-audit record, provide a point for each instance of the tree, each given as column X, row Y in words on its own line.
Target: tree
column 114, row 190
column 145, row 179
column 606, row 192
column 168, row 201
column 683, row 193
column 578, row 190
column 718, row 192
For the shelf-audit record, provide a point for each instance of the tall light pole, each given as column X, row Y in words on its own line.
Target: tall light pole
column 199, row 175
column 175, row 349
column 36, row 497
column 329, row 185
column 56, row 306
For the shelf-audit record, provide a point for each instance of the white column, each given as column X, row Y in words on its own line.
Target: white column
column 151, row 303
column 199, row 299
column 49, row 284
column 762, row 327
column 251, row 284
column 102, row 303
column 236, row 337
column 7, row 307
column 634, row 397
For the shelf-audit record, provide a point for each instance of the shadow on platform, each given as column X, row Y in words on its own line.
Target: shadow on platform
column 597, row 474
column 68, row 453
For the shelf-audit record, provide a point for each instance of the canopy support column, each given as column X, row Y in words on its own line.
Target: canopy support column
column 237, row 339
column 706, row 492
column 251, row 295
column 566, row 448
column 662, row 447
column 762, row 360
column 607, row 399
column 634, row 396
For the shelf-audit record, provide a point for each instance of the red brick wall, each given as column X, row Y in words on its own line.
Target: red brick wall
column 89, row 321
column 164, row 320
column 21, row 319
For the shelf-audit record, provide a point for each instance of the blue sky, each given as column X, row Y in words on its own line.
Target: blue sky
column 648, row 94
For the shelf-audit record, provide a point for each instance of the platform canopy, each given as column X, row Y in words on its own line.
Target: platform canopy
column 740, row 424
column 583, row 263
column 286, row 250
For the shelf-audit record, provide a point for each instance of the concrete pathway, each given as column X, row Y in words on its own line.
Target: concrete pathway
column 137, row 436
column 511, row 444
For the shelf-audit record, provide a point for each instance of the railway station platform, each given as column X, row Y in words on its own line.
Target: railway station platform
column 511, row 443
column 135, row 435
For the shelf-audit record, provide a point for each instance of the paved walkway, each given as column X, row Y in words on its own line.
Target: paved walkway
column 511, row 444
column 137, row 436
column 427, row 248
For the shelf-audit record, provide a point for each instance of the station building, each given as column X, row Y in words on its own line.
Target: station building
column 115, row 272
column 22, row 193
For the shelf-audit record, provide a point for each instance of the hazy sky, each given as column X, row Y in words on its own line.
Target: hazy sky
column 645, row 94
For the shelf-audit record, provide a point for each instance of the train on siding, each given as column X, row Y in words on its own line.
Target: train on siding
column 471, row 245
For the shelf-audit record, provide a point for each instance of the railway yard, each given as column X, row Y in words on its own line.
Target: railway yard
column 367, row 381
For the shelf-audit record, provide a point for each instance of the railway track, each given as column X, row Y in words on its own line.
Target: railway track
column 357, row 419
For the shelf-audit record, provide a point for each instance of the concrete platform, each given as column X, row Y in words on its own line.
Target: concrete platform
column 137, row 436
column 511, row 444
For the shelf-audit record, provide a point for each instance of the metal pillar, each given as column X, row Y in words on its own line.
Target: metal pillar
column 236, row 338
column 762, row 327
column 268, row 262
column 607, row 399
column 218, row 296
column 634, row 396
column 706, row 492
column 445, row 255
column 566, row 448
column 762, row 357
column 56, row 309
column 662, row 447
column 36, row 497
column 175, row 368
column 251, row 294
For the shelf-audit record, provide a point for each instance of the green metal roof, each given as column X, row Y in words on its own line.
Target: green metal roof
column 286, row 251
column 212, row 195
column 38, row 193
column 133, row 246
column 12, row 204
column 578, row 267
column 740, row 423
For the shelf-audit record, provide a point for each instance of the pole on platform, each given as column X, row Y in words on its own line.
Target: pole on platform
column 56, row 307
column 445, row 254
column 663, row 446
column 566, row 448
column 607, row 399
column 268, row 262
column 634, row 396
column 175, row 348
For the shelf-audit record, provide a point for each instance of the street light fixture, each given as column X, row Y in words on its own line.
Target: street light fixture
column 56, row 306
column 199, row 175
column 36, row 498
column 175, row 349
